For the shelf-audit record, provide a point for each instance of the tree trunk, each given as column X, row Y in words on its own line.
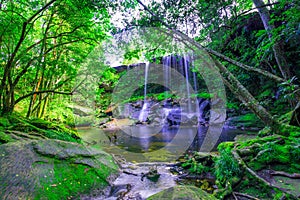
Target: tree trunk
column 33, row 97
column 277, row 47
column 243, row 95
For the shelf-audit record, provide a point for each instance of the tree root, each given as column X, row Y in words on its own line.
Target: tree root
column 281, row 173
column 263, row 181
column 37, row 135
column 243, row 195
column 22, row 135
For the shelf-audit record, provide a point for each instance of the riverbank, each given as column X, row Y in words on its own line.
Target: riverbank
column 46, row 160
column 261, row 165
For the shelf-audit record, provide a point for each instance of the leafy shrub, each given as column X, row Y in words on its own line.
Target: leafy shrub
column 194, row 167
column 226, row 167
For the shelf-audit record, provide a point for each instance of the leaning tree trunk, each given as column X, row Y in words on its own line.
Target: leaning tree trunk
column 277, row 47
column 244, row 95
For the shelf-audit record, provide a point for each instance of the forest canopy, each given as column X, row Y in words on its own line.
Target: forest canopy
column 44, row 45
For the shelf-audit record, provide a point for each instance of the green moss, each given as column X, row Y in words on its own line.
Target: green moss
column 5, row 138
column 226, row 145
column 204, row 95
column 67, row 181
column 48, row 129
column 259, row 141
column 265, row 132
column 226, row 167
column 247, row 120
column 182, row 193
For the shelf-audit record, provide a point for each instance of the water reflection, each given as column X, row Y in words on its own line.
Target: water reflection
column 147, row 139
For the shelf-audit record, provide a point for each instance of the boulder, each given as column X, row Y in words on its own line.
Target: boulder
column 53, row 169
column 182, row 193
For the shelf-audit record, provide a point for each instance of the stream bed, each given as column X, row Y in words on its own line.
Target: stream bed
column 138, row 155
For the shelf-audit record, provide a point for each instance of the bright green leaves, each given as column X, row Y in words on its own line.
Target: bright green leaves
column 49, row 50
column 226, row 167
column 130, row 55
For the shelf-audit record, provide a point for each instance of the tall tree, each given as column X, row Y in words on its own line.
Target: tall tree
column 277, row 44
column 43, row 44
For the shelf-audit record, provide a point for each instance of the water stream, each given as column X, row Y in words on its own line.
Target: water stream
column 170, row 127
column 143, row 114
column 131, row 153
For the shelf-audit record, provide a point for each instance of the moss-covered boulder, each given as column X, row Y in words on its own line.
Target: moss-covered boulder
column 246, row 121
column 52, row 169
column 182, row 193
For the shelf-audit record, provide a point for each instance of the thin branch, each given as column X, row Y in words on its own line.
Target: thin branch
column 41, row 10
column 8, row 67
column 266, row 5
column 23, row 71
column 51, row 91
column 244, row 165
column 61, row 44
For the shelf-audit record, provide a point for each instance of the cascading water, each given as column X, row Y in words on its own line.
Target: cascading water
column 181, row 64
column 144, row 112
column 166, row 65
column 186, row 70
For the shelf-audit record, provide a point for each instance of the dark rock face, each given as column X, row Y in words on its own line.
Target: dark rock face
column 29, row 167
column 168, row 112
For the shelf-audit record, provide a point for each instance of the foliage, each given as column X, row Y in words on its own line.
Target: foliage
column 46, row 43
column 194, row 166
column 60, row 113
column 5, row 138
column 226, row 167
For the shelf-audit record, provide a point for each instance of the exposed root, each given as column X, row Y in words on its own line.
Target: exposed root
column 22, row 135
column 281, row 173
column 260, row 179
column 243, row 195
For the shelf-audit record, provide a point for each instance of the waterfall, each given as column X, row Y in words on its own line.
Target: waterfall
column 144, row 113
column 166, row 67
column 186, row 70
column 183, row 65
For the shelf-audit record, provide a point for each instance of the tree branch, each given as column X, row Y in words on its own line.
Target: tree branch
column 23, row 71
column 266, row 5
column 40, row 92
column 61, row 44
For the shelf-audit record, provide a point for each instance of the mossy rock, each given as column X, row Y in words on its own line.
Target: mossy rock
column 245, row 121
column 53, row 169
column 182, row 193
column 41, row 127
